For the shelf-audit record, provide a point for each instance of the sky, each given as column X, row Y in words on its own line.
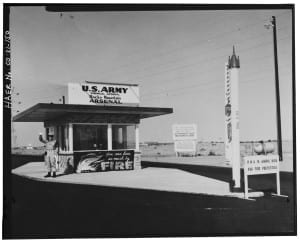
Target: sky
column 176, row 57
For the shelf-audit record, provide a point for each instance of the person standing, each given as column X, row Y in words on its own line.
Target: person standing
column 50, row 154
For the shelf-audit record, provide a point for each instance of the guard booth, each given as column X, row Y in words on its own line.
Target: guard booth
column 97, row 129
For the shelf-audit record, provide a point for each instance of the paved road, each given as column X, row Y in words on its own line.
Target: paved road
column 53, row 210
column 150, row 178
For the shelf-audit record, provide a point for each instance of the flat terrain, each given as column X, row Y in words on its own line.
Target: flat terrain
column 42, row 209
column 58, row 210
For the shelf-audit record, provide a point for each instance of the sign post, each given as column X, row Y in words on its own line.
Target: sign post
column 261, row 164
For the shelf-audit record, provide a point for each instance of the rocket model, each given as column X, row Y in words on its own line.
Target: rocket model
column 232, row 133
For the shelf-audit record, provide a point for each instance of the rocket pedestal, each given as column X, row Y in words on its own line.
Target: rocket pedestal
column 232, row 120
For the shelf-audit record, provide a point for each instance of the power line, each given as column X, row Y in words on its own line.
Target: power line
column 132, row 53
column 158, row 93
column 40, row 89
column 195, row 63
column 193, row 87
column 204, row 71
column 239, row 29
column 241, row 50
column 212, row 82
column 212, row 58
column 41, row 98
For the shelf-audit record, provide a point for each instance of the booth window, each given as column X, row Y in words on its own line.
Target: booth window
column 123, row 136
column 90, row 137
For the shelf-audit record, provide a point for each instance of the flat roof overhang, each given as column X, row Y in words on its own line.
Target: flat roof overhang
column 42, row 112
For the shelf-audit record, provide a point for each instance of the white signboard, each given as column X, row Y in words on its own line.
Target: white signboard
column 261, row 164
column 103, row 94
column 185, row 138
column 184, row 131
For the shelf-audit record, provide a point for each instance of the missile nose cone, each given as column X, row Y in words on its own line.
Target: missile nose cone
column 234, row 62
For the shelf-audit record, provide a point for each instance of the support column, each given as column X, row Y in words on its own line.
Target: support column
column 46, row 133
column 137, row 137
column 60, row 138
column 66, row 135
column 278, row 183
column 71, row 137
column 109, row 137
column 124, row 137
column 137, row 153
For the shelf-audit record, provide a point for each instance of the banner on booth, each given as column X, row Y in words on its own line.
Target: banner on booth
column 97, row 161
column 103, row 94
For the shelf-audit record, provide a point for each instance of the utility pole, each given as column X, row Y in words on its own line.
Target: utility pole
column 278, row 115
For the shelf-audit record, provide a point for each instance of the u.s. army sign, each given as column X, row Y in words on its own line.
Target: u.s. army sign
column 103, row 94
